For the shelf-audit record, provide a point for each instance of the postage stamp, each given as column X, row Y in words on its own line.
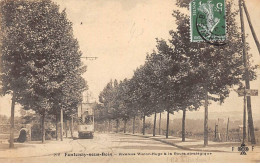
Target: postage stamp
column 207, row 21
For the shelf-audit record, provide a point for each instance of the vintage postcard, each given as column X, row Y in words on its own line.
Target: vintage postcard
column 129, row 81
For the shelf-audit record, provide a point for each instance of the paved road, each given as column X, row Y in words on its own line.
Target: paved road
column 126, row 148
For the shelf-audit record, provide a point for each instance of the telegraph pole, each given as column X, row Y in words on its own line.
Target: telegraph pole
column 249, row 108
column 244, row 120
column 251, row 27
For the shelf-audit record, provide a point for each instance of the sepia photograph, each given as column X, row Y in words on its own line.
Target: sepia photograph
column 129, row 81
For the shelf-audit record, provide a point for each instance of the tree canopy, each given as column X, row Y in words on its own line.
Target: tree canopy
column 40, row 58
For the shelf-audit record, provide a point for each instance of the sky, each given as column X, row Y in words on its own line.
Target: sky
column 121, row 33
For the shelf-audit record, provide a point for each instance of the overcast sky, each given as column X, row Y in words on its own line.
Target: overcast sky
column 121, row 32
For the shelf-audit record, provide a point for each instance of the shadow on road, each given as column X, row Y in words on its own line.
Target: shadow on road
column 148, row 147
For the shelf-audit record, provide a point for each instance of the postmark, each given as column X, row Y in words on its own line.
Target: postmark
column 208, row 21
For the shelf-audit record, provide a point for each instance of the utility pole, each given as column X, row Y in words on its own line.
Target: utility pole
column 248, row 133
column 251, row 27
column 249, row 108
column 244, row 120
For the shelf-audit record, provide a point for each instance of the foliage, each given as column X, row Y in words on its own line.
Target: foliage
column 40, row 57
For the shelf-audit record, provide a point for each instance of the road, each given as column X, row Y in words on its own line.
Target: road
column 126, row 148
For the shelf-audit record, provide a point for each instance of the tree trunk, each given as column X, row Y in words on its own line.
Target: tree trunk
column 57, row 126
column 66, row 128
column 215, row 133
column 183, row 125
column 61, row 125
column 134, row 125
column 71, row 127
column 227, row 130
column 43, row 127
column 144, row 125
column 109, row 123
column 125, row 125
column 167, row 125
column 117, row 125
column 11, row 145
column 160, row 123
column 206, row 120
column 154, row 124
column 172, row 124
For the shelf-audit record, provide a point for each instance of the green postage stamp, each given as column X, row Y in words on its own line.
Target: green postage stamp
column 207, row 21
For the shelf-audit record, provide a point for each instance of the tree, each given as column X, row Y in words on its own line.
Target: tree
column 184, row 94
column 213, row 69
column 132, row 102
column 142, row 92
column 125, row 106
column 48, row 56
column 156, row 66
column 116, row 104
column 106, row 98
column 14, row 60
column 166, row 81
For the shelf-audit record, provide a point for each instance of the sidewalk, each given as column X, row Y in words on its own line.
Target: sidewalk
column 35, row 148
column 196, row 145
